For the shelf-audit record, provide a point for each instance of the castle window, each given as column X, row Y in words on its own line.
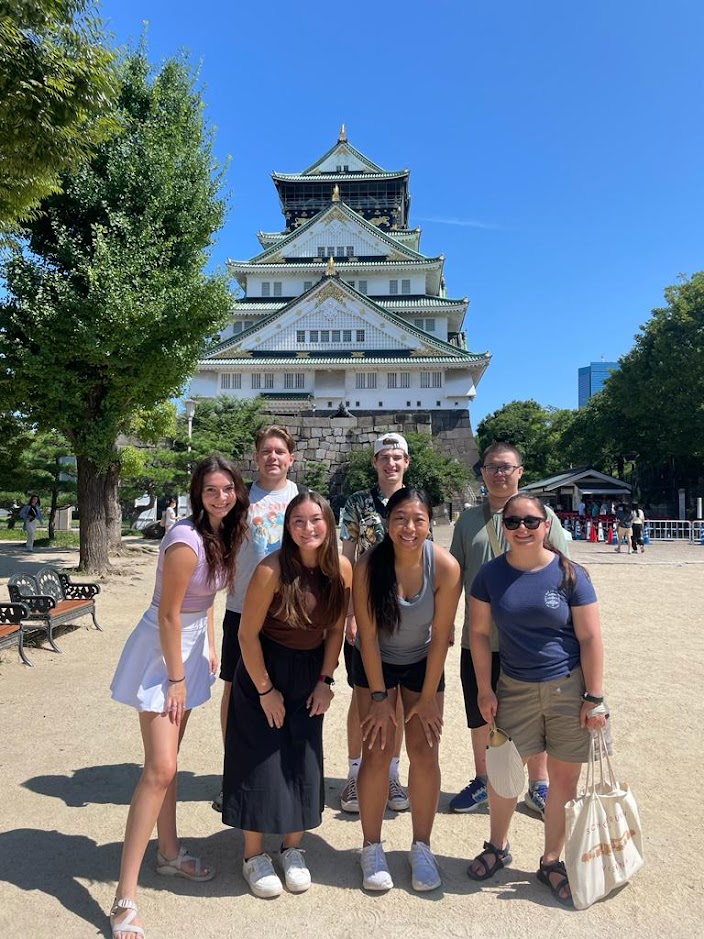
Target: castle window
column 269, row 380
column 430, row 326
column 256, row 380
column 321, row 251
column 325, row 335
column 418, row 323
column 425, row 379
column 314, row 335
column 266, row 288
column 277, row 288
column 225, row 381
column 335, row 335
column 362, row 286
column 237, row 380
column 405, row 286
column 331, row 252
column 393, row 286
column 437, row 379
column 294, row 380
column 347, row 335
column 391, row 380
column 405, row 380
column 365, row 380
column 307, row 284
column 360, row 335
column 300, row 335
column 350, row 251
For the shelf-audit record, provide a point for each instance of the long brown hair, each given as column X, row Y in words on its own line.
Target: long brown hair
column 221, row 546
column 291, row 602
column 569, row 577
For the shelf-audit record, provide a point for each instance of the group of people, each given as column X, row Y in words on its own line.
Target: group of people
column 630, row 522
column 390, row 598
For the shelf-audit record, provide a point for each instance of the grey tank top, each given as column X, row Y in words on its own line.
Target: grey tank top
column 410, row 642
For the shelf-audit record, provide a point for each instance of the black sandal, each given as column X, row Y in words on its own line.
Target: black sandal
column 543, row 875
column 501, row 859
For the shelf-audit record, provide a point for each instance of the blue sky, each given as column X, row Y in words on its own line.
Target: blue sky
column 555, row 149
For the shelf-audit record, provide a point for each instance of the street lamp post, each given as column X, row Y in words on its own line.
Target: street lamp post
column 190, row 406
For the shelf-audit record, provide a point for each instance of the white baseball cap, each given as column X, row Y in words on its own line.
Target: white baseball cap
column 390, row 442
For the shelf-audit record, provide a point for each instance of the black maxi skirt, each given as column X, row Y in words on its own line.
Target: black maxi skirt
column 273, row 777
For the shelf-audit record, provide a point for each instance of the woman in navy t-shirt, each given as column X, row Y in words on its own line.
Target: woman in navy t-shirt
column 552, row 658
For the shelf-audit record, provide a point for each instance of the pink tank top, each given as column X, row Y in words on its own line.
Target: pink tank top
column 199, row 594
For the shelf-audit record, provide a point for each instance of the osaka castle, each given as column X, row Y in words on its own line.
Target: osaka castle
column 341, row 311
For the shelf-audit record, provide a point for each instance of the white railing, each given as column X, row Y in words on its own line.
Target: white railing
column 674, row 529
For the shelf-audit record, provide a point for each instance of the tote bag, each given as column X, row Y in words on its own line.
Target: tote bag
column 603, row 839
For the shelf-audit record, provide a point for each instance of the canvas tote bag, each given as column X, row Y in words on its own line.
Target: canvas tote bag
column 603, row 840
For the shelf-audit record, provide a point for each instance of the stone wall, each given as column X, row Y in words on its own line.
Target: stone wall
column 323, row 438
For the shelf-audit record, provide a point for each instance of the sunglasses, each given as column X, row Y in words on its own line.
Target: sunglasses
column 531, row 522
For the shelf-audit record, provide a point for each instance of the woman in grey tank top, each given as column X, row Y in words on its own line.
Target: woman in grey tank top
column 406, row 591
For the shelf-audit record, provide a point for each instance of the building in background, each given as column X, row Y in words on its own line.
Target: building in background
column 591, row 379
column 341, row 312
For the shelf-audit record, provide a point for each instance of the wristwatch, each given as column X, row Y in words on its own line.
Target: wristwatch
column 380, row 695
column 326, row 679
column 592, row 698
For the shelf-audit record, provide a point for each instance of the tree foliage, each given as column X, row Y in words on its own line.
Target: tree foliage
column 536, row 431
column 108, row 305
column 440, row 475
column 56, row 85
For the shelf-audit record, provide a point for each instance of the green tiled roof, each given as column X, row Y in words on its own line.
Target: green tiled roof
column 339, row 177
column 347, row 146
column 461, row 359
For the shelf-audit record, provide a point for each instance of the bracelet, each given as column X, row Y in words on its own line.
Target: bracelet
column 176, row 681
column 593, row 698
column 262, row 693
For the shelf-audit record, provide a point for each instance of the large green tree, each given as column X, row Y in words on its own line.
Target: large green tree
column 56, row 86
column 108, row 305
column 534, row 429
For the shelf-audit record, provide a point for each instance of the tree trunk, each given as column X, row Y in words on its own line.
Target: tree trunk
column 52, row 510
column 114, row 518
column 97, row 496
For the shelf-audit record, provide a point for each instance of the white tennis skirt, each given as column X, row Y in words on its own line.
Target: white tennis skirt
column 141, row 679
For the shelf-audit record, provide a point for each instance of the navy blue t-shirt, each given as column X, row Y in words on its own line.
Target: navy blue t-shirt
column 533, row 617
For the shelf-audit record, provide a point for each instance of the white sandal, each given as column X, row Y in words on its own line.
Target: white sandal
column 126, row 924
column 174, row 868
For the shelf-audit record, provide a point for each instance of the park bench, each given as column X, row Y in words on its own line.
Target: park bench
column 11, row 629
column 52, row 600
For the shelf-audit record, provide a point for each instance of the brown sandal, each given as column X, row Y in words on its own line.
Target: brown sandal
column 501, row 858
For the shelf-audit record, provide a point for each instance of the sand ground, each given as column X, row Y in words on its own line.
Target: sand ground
column 70, row 758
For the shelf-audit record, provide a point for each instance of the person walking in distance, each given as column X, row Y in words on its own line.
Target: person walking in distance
column 31, row 515
column 478, row 537
column 363, row 525
column 638, row 523
column 269, row 496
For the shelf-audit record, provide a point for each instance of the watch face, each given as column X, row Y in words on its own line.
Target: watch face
column 379, row 695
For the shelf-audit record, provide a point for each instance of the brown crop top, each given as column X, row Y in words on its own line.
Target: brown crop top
column 315, row 585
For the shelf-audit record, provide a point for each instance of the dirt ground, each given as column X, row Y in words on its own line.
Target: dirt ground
column 70, row 758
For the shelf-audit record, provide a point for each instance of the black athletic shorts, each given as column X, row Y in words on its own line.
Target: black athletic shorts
column 411, row 676
column 348, row 652
column 230, row 645
column 469, row 686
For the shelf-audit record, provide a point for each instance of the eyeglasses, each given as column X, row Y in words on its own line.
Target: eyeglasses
column 531, row 522
column 506, row 469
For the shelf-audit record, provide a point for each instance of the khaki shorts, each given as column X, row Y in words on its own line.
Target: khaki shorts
column 545, row 716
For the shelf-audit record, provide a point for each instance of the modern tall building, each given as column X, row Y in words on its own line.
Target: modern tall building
column 591, row 379
column 341, row 310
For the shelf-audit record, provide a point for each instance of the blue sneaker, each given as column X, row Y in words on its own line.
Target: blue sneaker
column 536, row 797
column 472, row 797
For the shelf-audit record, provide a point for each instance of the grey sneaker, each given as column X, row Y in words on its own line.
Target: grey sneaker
column 398, row 797
column 296, row 873
column 348, row 796
column 375, row 870
column 263, row 880
column 424, row 868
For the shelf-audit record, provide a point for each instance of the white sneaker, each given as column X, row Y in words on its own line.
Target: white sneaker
column 348, row 797
column 375, row 870
column 296, row 873
column 263, row 880
column 424, row 868
column 398, row 797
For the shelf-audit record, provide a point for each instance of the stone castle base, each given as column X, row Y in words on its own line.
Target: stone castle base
column 326, row 439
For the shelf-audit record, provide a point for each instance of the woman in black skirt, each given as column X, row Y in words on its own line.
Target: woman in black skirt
column 290, row 634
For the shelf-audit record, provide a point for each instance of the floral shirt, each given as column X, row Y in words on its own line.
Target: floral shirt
column 363, row 519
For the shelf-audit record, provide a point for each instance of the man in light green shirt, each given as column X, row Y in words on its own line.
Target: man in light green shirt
column 473, row 545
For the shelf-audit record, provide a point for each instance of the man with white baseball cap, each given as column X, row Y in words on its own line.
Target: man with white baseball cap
column 362, row 525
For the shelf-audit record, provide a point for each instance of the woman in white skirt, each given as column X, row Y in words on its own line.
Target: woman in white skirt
column 167, row 667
